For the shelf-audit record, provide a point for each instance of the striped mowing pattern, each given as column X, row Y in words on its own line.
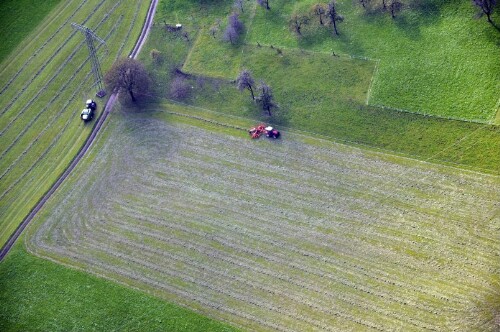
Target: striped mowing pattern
column 281, row 235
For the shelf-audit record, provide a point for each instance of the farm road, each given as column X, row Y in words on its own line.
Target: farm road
column 281, row 235
column 107, row 109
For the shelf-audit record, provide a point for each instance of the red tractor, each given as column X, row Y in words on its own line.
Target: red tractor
column 261, row 129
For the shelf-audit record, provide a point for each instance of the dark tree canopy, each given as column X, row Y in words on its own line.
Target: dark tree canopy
column 333, row 16
column 487, row 7
column 245, row 81
column 264, row 4
column 128, row 75
column 265, row 98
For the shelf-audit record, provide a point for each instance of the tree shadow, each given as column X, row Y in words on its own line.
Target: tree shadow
column 410, row 20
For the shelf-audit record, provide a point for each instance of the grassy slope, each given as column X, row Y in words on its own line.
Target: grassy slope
column 38, row 295
column 18, row 19
column 338, row 111
column 435, row 58
column 40, row 125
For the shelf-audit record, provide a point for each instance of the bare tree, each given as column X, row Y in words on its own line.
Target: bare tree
column 319, row 10
column 234, row 21
column 264, row 4
column 180, row 88
column 238, row 4
column 213, row 30
column 230, row 35
column 297, row 21
column 156, row 56
column 333, row 16
column 233, row 29
column 486, row 7
column 364, row 3
column 395, row 7
column 265, row 98
column 128, row 75
column 245, row 81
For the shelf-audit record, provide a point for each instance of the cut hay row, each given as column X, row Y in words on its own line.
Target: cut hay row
column 60, row 113
column 64, row 65
column 39, row 49
column 40, row 127
column 48, row 62
column 280, row 235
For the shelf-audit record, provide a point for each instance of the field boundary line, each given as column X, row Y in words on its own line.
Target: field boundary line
column 372, row 82
column 188, row 56
column 107, row 110
column 331, row 139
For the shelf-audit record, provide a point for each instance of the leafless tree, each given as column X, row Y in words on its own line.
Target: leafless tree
column 239, row 4
column 245, row 81
column 297, row 21
column 487, row 7
column 395, row 7
column 264, row 4
column 265, row 98
column 180, row 88
column 333, row 15
column 319, row 10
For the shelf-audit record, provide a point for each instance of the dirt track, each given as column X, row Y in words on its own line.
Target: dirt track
column 107, row 109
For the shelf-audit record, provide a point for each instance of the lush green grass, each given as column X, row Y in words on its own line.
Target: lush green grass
column 39, row 295
column 43, row 91
column 19, row 18
column 434, row 58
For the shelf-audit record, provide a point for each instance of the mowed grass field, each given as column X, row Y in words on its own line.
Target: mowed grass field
column 18, row 19
column 44, row 85
column 297, row 234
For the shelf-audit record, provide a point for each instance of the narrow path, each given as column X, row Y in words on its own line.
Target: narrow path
column 107, row 109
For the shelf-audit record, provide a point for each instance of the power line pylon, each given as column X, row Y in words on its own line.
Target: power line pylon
column 90, row 36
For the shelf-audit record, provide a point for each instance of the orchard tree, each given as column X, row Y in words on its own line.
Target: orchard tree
column 128, row 75
column 180, row 88
column 319, row 10
column 264, row 4
column 486, row 7
column 245, row 81
column 230, row 35
column 395, row 7
column 364, row 3
column 238, row 4
column 265, row 98
column 297, row 21
column 333, row 16
column 234, row 28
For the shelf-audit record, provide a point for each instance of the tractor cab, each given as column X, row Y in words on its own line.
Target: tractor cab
column 91, row 104
column 269, row 131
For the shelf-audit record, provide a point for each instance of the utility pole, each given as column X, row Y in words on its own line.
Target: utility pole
column 90, row 36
